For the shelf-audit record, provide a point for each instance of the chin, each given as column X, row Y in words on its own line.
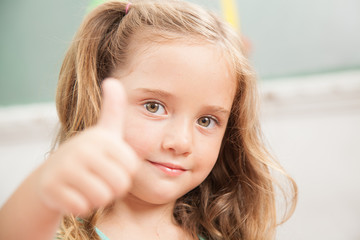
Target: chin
column 156, row 197
column 161, row 198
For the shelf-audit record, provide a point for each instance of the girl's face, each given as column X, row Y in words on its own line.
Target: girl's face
column 180, row 97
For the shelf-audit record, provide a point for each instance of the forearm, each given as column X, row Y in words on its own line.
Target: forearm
column 24, row 216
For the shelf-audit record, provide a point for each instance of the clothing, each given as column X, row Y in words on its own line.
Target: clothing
column 104, row 237
column 101, row 234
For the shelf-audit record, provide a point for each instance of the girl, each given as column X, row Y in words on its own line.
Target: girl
column 173, row 152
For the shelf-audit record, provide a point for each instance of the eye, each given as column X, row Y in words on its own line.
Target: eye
column 154, row 107
column 207, row 122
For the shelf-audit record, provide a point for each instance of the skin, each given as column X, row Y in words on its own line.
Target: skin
column 187, row 84
column 158, row 137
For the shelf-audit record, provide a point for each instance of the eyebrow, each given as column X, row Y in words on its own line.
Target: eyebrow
column 164, row 94
column 155, row 92
column 218, row 109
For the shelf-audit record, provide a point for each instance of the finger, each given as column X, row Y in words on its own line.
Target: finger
column 115, row 176
column 68, row 200
column 123, row 155
column 92, row 187
column 113, row 106
column 105, row 149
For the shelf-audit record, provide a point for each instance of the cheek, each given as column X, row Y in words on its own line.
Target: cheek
column 142, row 137
column 208, row 156
column 203, row 167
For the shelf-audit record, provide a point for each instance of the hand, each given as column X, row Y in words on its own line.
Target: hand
column 96, row 166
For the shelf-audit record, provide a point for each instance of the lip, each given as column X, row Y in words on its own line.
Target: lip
column 169, row 168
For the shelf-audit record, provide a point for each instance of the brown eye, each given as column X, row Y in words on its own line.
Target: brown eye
column 204, row 121
column 154, row 107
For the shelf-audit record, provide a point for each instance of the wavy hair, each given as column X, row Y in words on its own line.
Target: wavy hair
column 238, row 200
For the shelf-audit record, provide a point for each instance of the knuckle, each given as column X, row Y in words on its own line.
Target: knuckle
column 107, row 196
column 131, row 160
column 135, row 164
column 122, row 185
column 125, row 186
column 103, row 197
column 80, row 207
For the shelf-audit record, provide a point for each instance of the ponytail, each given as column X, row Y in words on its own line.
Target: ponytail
column 87, row 62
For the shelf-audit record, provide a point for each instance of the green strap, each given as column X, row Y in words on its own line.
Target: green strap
column 101, row 234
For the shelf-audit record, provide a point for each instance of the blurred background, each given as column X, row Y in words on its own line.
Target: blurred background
column 307, row 57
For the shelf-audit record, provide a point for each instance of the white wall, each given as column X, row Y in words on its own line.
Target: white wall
column 312, row 124
column 26, row 134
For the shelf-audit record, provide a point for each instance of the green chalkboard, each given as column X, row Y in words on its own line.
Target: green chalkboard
column 288, row 38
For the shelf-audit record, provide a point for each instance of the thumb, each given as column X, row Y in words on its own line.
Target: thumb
column 113, row 106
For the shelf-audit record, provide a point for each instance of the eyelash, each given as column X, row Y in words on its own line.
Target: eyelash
column 211, row 118
column 146, row 104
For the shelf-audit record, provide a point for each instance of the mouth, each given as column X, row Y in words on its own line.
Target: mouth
column 169, row 168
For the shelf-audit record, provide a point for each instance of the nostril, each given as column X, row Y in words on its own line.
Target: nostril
column 177, row 145
column 178, row 136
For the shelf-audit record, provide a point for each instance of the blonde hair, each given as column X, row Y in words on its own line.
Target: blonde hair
column 238, row 198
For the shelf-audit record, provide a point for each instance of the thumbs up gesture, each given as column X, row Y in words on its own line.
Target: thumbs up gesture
column 112, row 109
column 95, row 167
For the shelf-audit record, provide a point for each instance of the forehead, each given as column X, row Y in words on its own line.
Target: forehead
column 143, row 46
column 199, row 71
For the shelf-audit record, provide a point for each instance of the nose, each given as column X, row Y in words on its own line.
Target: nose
column 178, row 137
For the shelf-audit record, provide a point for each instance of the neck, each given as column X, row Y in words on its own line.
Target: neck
column 131, row 218
column 133, row 208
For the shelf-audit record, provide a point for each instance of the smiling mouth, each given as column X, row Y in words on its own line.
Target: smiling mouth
column 169, row 168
